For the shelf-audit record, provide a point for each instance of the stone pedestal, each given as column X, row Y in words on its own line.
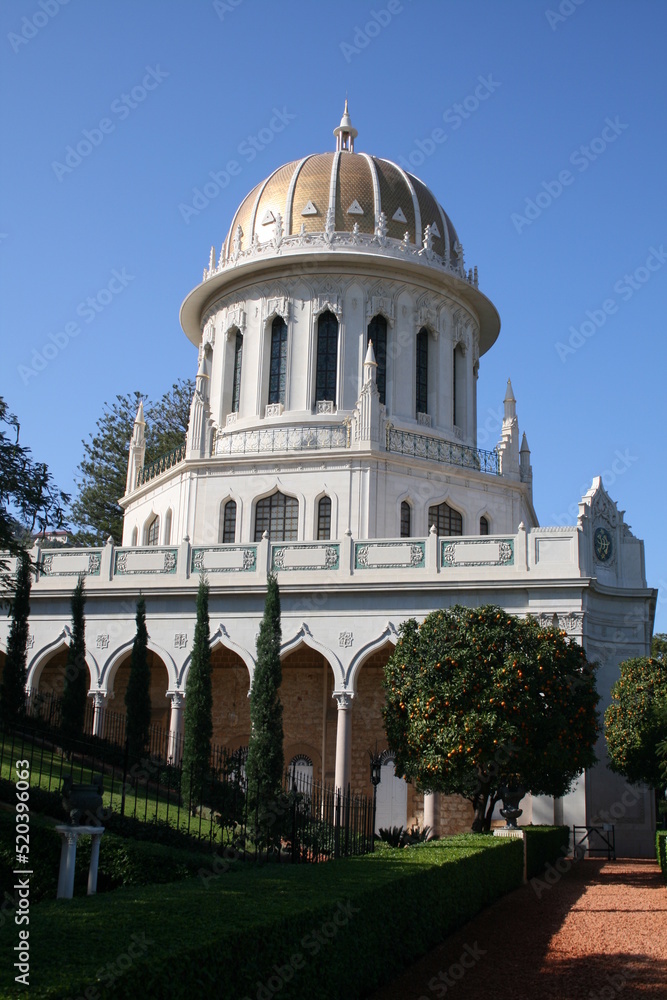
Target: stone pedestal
column 70, row 837
column 515, row 834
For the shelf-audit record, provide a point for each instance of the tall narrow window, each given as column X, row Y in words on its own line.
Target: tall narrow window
column 278, row 372
column 377, row 332
column 422, row 371
column 153, row 532
column 327, row 357
column 324, row 518
column 447, row 521
column 228, row 525
column 279, row 515
column 236, row 387
column 406, row 518
column 483, row 525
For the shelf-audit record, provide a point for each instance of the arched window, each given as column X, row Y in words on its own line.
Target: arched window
column 279, row 515
column 483, row 525
column 406, row 518
column 377, row 332
column 236, row 386
column 327, row 357
column 153, row 531
column 278, row 371
column 167, row 528
column 447, row 521
column 324, row 518
column 135, row 536
column 228, row 523
column 422, row 371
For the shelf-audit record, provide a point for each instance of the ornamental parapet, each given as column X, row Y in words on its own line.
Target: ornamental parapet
column 373, row 243
column 283, row 439
column 439, row 450
column 161, row 465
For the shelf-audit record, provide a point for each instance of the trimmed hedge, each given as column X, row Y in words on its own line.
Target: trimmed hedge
column 123, row 862
column 544, row 846
column 323, row 931
column 661, row 850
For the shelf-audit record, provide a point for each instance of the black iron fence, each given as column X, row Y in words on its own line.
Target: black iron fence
column 149, row 796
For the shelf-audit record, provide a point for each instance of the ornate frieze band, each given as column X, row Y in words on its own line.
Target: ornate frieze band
column 390, row 555
column 224, row 559
column 305, row 556
column 480, row 552
column 148, row 561
column 56, row 562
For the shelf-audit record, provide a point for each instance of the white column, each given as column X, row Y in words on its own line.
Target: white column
column 430, row 806
column 343, row 740
column 99, row 704
column 174, row 751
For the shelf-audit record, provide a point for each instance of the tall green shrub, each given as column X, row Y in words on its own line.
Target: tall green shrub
column 138, row 693
column 12, row 688
column 264, row 767
column 76, row 670
column 198, row 715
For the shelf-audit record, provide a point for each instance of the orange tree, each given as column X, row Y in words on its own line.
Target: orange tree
column 636, row 720
column 478, row 699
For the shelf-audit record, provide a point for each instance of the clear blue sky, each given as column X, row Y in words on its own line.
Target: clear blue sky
column 580, row 93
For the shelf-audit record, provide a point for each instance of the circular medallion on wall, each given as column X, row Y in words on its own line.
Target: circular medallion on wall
column 602, row 545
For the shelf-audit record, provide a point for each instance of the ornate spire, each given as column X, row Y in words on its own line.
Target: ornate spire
column 345, row 133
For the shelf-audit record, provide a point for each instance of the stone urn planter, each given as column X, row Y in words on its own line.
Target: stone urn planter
column 511, row 796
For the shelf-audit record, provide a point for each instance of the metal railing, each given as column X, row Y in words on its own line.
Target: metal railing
column 438, row 450
column 301, row 820
column 161, row 465
column 272, row 439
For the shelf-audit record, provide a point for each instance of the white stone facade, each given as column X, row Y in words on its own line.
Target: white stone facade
column 382, row 449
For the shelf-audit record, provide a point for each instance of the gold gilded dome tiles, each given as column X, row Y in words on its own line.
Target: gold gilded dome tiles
column 395, row 194
column 312, row 184
column 430, row 213
column 354, row 183
column 272, row 201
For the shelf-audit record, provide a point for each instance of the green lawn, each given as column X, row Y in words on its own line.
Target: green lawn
column 364, row 918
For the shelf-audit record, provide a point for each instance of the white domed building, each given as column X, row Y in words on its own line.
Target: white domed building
column 333, row 440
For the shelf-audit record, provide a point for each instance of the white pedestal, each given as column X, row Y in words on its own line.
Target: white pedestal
column 515, row 835
column 70, row 836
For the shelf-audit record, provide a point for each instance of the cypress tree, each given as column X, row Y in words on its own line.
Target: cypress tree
column 198, row 715
column 138, row 693
column 264, row 767
column 14, row 675
column 76, row 670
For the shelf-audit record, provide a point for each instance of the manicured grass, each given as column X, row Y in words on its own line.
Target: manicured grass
column 661, row 850
column 337, row 928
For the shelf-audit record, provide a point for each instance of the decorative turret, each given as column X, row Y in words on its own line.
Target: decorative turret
column 135, row 461
column 345, row 133
column 508, row 447
column 525, row 468
column 198, row 441
column 366, row 418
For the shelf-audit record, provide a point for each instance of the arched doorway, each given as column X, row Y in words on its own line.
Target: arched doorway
column 392, row 798
column 45, row 701
column 230, row 683
column 301, row 772
column 368, row 731
column 159, row 684
column 309, row 720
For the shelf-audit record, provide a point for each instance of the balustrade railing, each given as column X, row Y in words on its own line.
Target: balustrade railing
column 438, row 450
column 272, row 439
column 161, row 465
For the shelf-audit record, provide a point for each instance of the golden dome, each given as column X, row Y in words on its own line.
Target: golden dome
column 334, row 192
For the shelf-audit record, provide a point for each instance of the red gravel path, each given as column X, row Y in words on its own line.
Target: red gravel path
column 598, row 933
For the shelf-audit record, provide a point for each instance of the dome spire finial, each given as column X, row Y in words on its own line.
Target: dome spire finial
column 345, row 133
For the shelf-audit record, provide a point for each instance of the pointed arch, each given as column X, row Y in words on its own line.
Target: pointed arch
column 304, row 637
column 281, row 517
column 60, row 644
column 388, row 635
column 448, row 520
column 114, row 660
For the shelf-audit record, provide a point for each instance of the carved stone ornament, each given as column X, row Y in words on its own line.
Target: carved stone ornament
column 30, row 641
column 325, row 406
column 102, row 640
column 273, row 409
column 180, row 640
column 344, row 700
column 345, row 639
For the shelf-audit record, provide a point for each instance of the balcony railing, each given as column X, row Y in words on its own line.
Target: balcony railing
column 272, row 439
column 161, row 465
column 437, row 450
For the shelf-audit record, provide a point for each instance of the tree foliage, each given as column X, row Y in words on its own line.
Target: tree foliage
column 478, row 699
column 636, row 720
column 198, row 715
column 28, row 498
column 75, row 691
column 264, row 767
column 138, row 693
column 95, row 513
column 12, row 687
